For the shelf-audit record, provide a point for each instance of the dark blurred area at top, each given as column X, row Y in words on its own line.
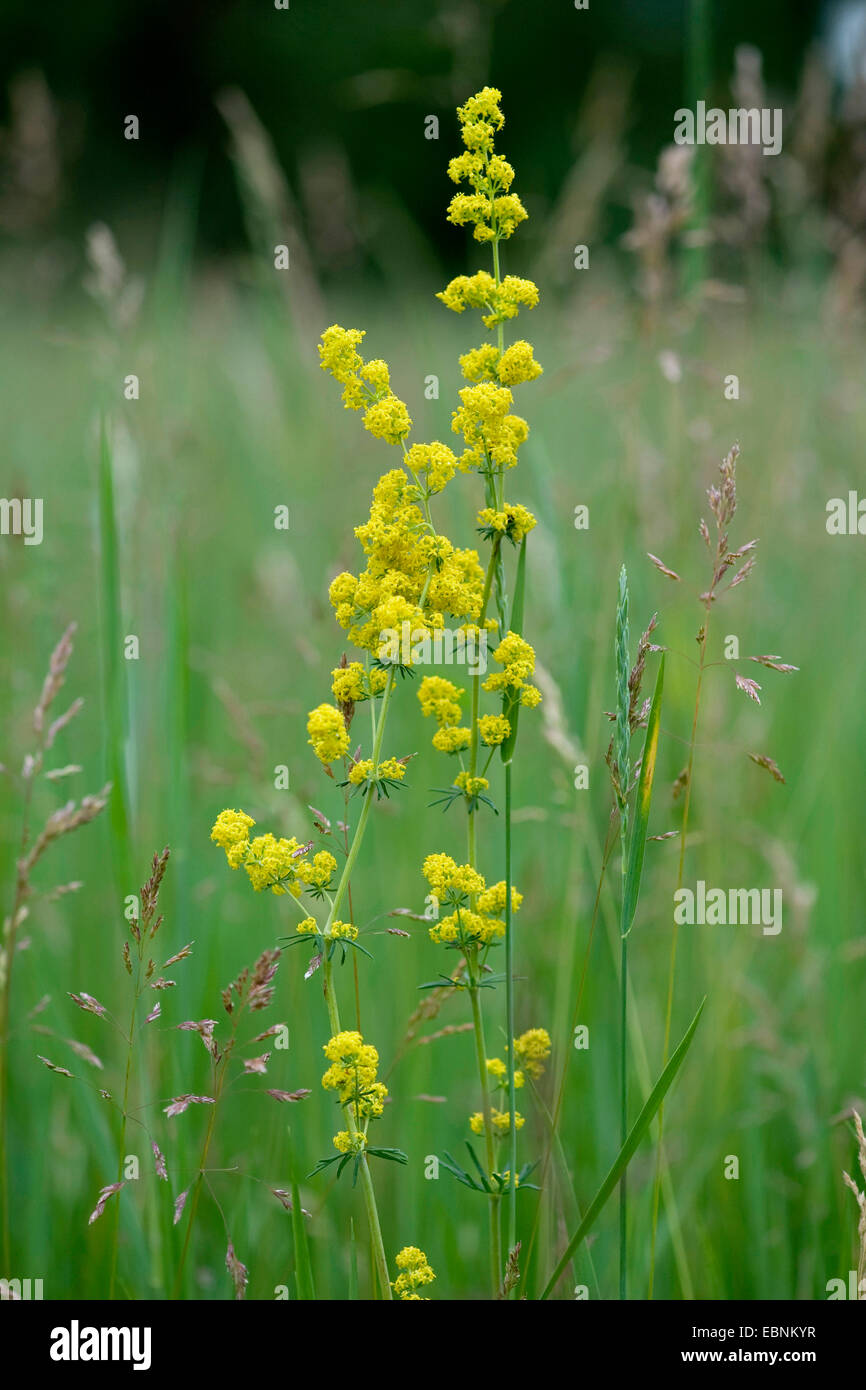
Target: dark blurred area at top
column 342, row 90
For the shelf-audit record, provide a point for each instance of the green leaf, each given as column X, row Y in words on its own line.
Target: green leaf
column 623, row 1158
column 393, row 1155
column 305, row 1288
column 506, row 749
column 642, row 805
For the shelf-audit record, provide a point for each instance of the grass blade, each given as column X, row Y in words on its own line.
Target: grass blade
column 642, row 804
column 623, row 1158
column 304, row 1287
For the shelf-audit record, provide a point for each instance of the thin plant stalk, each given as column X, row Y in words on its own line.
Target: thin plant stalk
column 623, row 733
column 509, row 1020
column 672, row 965
column 481, row 1059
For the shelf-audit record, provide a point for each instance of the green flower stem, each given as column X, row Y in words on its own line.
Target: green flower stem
column 365, row 813
column 333, row 1009
column 202, row 1163
column 481, row 1057
column 477, row 1020
column 672, row 967
column 352, row 1125
column 623, row 1052
column 509, row 1020
column 115, row 1239
column 8, row 947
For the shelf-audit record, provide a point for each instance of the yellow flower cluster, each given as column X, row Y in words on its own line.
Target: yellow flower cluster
column 231, row 831
column 366, row 385
column 329, row 737
column 441, row 698
column 351, row 684
column 532, row 1049
column 476, row 920
column 432, row 466
column 366, row 771
column 346, row 1143
column 490, row 208
column 317, row 872
column 412, row 575
column 514, row 521
column 517, row 658
column 490, row 433
column 469, row 785
column 352, row 1074
column 500, row 302
column 414, row 1273
column 338, row 931
column 281, row 865
column 452, row 739
column 499, row 1071
column 494, row 729
column 451, row 882
column 501, row 1121
column 510, row 368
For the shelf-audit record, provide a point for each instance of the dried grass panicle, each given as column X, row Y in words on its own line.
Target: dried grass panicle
column 860, row 1198
column 511, row 1277
column 150, row 895
column 62, row 822
column 54, row 678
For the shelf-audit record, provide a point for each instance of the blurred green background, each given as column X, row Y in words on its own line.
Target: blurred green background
column 155, row 257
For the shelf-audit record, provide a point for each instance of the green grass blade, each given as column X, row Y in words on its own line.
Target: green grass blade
column 115, row 694
column 642, row 804
column 623, row 1158
column 304, row 1287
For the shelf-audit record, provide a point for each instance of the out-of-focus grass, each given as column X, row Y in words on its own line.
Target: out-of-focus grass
column 236, row 644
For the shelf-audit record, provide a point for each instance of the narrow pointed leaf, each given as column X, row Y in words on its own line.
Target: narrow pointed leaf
column 642, row 804
column 623, row 1158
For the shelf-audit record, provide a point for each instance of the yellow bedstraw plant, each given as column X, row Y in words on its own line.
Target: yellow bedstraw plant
column 417, row 581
